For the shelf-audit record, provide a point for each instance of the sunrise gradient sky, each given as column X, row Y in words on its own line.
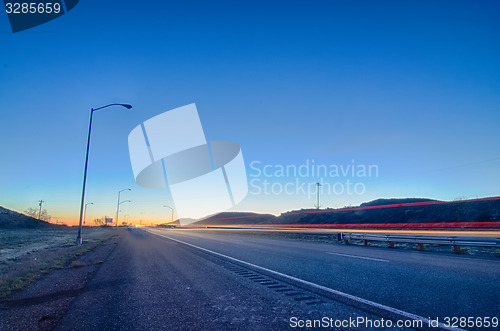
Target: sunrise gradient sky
column 409, row 86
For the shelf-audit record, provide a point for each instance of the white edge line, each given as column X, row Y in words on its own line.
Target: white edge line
column 323, row 288
column 358, row 257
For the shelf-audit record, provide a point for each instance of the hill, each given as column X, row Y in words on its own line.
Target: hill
column 383, row 202
column 411, row 210
column 227, row 218
column 13, row 220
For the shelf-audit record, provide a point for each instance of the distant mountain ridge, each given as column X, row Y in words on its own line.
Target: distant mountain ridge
column 409, row 210
column 393, row 201
column 10, row 219
column 226, row 218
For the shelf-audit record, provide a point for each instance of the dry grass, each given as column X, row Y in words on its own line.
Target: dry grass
column 26, row 255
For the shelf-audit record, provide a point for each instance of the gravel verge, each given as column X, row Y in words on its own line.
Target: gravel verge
column 60, row 278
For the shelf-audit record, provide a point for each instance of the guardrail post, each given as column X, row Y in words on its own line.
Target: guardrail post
column 455, row 242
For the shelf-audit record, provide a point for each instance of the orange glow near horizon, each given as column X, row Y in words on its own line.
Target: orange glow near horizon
column 74, row 220
column 425, row 232
column 67, row 216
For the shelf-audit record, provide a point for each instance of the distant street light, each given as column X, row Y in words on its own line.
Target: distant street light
column 118, row 204
column 172, row 217
column 92, row 110
column 85, row 213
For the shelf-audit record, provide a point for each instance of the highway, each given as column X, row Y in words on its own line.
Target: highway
column 151, row 283
column 488, row 233
column 177, row 279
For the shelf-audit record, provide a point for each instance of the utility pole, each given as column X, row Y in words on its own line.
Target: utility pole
column 40, row 210
column 318, row 185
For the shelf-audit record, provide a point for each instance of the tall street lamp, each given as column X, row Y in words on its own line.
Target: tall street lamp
column 124, row 217
column 172, row 217
column 92, row 110
column 85, row 213
column 119, row 203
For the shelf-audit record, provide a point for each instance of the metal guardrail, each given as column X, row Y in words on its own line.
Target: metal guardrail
column 456, row 242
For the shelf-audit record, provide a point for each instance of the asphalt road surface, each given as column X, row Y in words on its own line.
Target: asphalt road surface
column 152, row 283
column 193, row 280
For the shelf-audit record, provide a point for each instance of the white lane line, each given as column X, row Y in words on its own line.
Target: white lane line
column 358, row 257
column 319, row 287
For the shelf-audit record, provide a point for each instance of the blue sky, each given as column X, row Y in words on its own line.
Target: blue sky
column 411, row 86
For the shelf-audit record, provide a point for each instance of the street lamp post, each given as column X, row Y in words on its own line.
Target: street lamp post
column 92, row 110
column 118, row 205
column 172, row 216
column 85, row 213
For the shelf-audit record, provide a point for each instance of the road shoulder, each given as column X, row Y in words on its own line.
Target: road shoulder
column 41, row 305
